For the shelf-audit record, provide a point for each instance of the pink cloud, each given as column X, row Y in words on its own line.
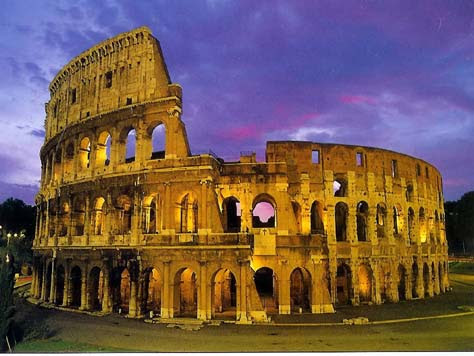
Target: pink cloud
column 356, row 99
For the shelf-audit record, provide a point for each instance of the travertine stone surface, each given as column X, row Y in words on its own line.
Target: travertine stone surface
column 145, row 229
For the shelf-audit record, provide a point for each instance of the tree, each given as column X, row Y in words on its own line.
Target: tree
column 460, row 224
column 7, row 309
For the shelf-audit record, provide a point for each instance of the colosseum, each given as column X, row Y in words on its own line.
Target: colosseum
column 130, row 221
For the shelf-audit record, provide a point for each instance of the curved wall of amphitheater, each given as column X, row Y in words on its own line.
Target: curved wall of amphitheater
column 130, row 221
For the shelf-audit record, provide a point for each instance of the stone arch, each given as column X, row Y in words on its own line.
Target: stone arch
column 414, row 280
column 152, row 217
column 78, row 216
column 188, row 213
column 95, row 289
column 103, row 149
column 422, row 224
column 152, row 285
column 411, row 225
column 341, row 215
column 84, row 154
column 64, row 219
column 409, row 193
column 57, row 163
column 362, row 216
column 266, row 283
column 185, row 299
column 381, row 220
column 120, row 285
column 365, row 275
column 264, row 211
column 157, row 141
column 317, row 224
column 224, row 294
column 300, row 290
column 130, row 144
column 232, row 214
column 124, row 212
column 69, row 158
column 402, row 282
column 60, row 282
column 343, row 284
column 76, row 285
column 98, row 216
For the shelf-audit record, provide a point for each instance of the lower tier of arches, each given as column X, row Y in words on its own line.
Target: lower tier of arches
column 228, row 286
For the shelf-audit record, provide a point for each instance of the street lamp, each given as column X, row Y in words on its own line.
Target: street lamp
column 8, row 241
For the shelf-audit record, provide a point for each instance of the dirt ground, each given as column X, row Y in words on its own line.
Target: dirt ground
column 113, row 331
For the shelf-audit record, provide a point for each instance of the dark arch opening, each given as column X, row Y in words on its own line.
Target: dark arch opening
column 266, row 284
column 300, row 290
column 343, row 284
column 76, row 277
column 59, row 285
column 232, row 214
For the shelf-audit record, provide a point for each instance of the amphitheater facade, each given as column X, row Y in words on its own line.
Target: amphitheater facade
column 130, row 221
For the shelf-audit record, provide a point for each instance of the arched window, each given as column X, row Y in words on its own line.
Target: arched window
column 317, row 225
column 232, row 214
column 124, row 214
column 78, row 216
column 151, row 215
column 103, row 149
column 422, row 224
column 64, row 219
column 68, row 158
column 411, row 222
column 341, row 214
column 158, row 142
column 339, row 187
column 263, row 212
column 381, row 218
column 362, row 216
column 98, row 216
column 409, row 193
column 84, row 153
column 189, row 214
column 130, row 146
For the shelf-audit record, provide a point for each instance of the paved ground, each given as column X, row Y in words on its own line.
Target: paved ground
column 444, row 334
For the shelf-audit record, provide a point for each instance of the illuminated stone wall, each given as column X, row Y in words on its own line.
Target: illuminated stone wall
column 177, row 234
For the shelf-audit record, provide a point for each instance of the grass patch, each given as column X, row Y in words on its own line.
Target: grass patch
column 461, row 267
column 59, row 345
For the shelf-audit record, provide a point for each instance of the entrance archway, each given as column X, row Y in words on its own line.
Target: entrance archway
column 414, row 279
column 224, row 294
column 365, row 283
column 402, row 276
column 76, row 276
column 300, row 290
column 120, row 285
column 152, row 291
column 426, row 279
column 185, row 293
column 267, row 288
column 95, row 288
column 48, row 283
column 59, row 285
column 343, row 284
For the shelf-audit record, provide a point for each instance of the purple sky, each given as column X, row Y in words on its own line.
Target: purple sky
column 392, row 74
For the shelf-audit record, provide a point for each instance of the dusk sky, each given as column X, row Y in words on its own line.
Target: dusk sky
column 391, row 74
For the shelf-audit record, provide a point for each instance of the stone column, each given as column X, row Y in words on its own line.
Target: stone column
column 436, row 279
column 135, row 219
column 408, row 282
column 377, row 297
column 52, row 294
column 67, row 284
column 354, row 264
column 242, row 310
column 393, row 283
column 166, row 300
column 420, row 289
column 284, row 298
column 43, row 287
column 84, row 299
column 202, row 300
column 34, row 279
column 132, row 310
column 106, row 300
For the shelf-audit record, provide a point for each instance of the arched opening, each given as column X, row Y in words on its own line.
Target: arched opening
column 232, row 214
column 98, row 216
column 124, row 214
column 341, row 214
column 297, row 214
column 362, row 217
column 59, row 285
column 396, row 219
column 76, row 277
column 422, row 224
column 365, row 283
column 95, row 286
column 267, row 288
column 152, row 291
column 402, row 277
column 188, row 214
column 263, row 212
column 317, row 225
column 69, row 159
column 414, row 279
column 57, row 164
column 104, row 143
column 224, row 294
column 120, row 286
column 185, row 293
column 300, row 290
column 78, row 216
column 84, row 153
column 130, row 146
column 64, row 219
column 158, row 142
column 426, row 279
column 411, row 225
column 381, row 218
column 48, row 282
column 409, row 193
column 339, row 187
column 53, row 206
column 343, row 284
column 151, row 215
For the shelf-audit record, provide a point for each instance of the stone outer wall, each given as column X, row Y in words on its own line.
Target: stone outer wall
column 104, row 225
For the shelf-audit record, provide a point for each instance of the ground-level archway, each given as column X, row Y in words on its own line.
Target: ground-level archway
column 414, row 280
column 224, row 294
column 120, row 286
column 300, row 290
column 76, row 277
column 267, row 288
column 402, row 277
column 185, row 293
column 95, row 288
column 365, row 283
column 59, row 285
column 152, row 284
column 426, row 279
column 343, row 284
